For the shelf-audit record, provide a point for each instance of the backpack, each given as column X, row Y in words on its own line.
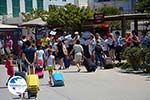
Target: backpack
column 65, row 51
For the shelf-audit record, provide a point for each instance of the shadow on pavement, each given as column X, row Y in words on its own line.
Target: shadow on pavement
column 135, row 72
column 3, row 87
column 76, row 72
column 70, row 72
column 44, row 84
column 18, row 98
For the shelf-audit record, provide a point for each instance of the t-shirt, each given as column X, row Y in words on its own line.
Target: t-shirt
column 50, row 60
column 78, row 48
column 40, row 54
column 29, row 53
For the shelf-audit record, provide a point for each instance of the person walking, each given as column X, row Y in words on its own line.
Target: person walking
column 118, row 45
column 50, row 64
column 78, row 49
column 61, row 53
column 10, row 67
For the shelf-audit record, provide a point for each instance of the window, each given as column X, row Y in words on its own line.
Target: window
column 28, row 5
column 3, row 7
column 40, row 4
column 64, row 0
column 102, row 0
column 16, row 7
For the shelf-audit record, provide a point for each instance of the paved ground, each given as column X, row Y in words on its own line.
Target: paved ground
column 101, row 85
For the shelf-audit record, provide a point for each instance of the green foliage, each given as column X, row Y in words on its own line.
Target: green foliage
column 34, row 14
column 125, row 66
column 133, row 57
column 138, row 58
column 70, row 17
column 143, row 6
column 110, row 10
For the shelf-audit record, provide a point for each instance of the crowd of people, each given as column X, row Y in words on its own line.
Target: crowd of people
column 51, row 50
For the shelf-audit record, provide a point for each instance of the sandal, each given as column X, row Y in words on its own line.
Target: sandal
column 50, row 83
column 79, row 70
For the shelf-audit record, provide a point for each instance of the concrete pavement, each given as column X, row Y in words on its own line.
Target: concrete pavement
column 102, row 85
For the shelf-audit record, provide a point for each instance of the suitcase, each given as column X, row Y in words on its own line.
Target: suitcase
column 39, row 72
column 58, row 79
column 33, row 85
column 89, row 65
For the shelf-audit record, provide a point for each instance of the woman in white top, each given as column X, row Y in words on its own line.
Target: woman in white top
column 78, row 49
column 50, row 63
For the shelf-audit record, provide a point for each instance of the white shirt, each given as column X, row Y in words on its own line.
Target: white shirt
column 50, row 60
column 78, row 48
column 105, row 45
column 40, row 54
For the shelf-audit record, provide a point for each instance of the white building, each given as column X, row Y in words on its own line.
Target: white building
column 15, row 7
column 81, row 3
column 127, row 6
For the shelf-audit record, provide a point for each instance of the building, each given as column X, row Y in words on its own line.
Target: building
column 81, row 3
column 127, row 6
column 15, row 7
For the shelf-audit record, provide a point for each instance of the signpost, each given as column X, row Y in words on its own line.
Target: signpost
column 98, row 18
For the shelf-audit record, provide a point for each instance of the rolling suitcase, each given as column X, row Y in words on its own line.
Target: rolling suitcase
column 58, row 79
column 33, row 85
column 39, row 71
column 89, row 65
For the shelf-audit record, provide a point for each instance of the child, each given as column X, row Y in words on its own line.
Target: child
column 50, row 64
column 10, row 67
column 40, row 56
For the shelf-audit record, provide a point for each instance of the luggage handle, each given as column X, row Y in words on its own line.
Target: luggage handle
column 20, row 64
column 33, row 69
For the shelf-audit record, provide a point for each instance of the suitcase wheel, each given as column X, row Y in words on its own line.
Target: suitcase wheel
column 41, row 76
column 30, row 94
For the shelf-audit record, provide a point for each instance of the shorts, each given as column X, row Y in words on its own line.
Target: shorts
column 78, row 57
column 50, row 68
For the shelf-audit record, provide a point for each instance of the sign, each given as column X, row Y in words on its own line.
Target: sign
column 53, row 33
column 98, row 18
column 17, row 85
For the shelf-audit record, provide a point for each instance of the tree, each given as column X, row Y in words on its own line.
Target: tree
column 70, row 17
column 143, row 6
column 34, row 14
column 111, row 10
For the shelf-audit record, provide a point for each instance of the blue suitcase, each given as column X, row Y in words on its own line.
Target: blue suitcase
column 58, row 79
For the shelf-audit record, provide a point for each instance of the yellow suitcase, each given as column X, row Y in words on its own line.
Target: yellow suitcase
column 33, row 82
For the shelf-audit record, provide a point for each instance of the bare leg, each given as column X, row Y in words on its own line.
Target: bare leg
column 78, row 66
column 61, row 63
column 50, row 76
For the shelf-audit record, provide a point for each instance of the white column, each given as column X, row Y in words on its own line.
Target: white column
column 46, row 4
column 9, row 8
column 34, row 2
column 22, row 6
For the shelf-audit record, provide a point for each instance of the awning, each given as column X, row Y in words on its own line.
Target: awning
column 34, row 22
column 3, row 26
